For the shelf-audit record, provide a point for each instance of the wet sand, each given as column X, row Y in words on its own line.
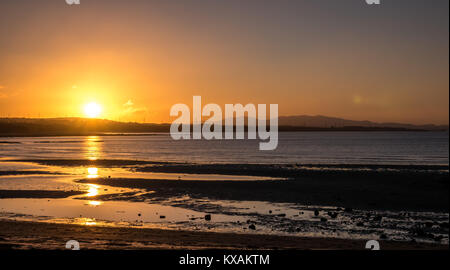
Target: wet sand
column 43, row 194
column 395, row 192
column 349, row 199
column 35, row 235
column 374, row 187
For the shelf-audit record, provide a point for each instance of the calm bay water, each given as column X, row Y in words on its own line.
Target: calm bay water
column 415, row 148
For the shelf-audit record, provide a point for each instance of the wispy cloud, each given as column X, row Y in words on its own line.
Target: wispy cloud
column 129, row 103
column 130, row 109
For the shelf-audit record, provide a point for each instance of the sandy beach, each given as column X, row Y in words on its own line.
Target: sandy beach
column 34, row 235
column 136, row 204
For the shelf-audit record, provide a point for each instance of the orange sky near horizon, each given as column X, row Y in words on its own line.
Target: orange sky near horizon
column 138, row 58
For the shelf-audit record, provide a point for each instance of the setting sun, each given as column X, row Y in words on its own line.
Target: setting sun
column 92, row 110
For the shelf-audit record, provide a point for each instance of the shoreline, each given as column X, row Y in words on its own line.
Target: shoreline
column 110, row 238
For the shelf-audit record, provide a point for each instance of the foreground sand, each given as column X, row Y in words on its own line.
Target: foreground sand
column 36, row 235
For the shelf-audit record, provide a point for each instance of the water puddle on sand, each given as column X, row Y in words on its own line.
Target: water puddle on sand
column 112, row 213
column 185, row 213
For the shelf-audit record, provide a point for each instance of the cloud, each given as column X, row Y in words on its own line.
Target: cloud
column 129, row 103
column 130, row 109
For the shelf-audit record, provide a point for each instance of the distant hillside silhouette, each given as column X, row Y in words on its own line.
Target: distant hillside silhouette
column 84, row 126
column 332, row 122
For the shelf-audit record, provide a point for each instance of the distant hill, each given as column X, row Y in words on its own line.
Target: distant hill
column 84, row 126
column 320, row 121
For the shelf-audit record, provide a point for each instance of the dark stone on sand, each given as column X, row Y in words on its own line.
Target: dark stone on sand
column 333, row 214
column 208, row 217
column 378, row 218
column 418, row 231
column 281, row 215
column 348, row 210
column 139, row 214
column 316, row 212
column 323, row 219
column 270, row 211
column 162, row 217
column 252, row 227
column 383, row 236
column 443, row 225
column 437, row 238
column 360, row 224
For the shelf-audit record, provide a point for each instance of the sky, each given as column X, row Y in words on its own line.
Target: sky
column 384, row 63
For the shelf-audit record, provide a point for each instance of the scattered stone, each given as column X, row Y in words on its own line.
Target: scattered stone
column 161, row 217
column 383, row 236
column 438, row 238
column 281, row 215
column 139, row 214
column 323, row 219
column 332, row 214
column 316, row 212
column 252, row 227
column 378, row 218
column 270, row 211
column 348, row 210
column 360, row 224
column 208, row 217
column 418, row 231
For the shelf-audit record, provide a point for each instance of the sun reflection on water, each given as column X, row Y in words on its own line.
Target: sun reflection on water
column 92, row 148
column 92, row 172
column 94, row 203
column 93, row 190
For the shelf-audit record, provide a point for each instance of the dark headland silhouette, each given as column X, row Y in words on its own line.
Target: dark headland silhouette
column 85, row 126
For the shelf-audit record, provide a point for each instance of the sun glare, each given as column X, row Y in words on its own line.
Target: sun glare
column 92, row 110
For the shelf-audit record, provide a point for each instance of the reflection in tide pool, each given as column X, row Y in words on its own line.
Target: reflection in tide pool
column 94, row 203
column 92, row 172
column 112, row 213
column 93, row 190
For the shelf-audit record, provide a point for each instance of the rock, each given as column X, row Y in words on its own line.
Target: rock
column 161, row 217
column 348, row 210
column 139, row 214
column 383, row 236
column 281, row 215
column 252, row 227
column 360, row 224
column 270, row 211
column 418, row 231
column 208, row 217
column 316, row 212
column 437, row 238
column 377, row 218
column 323, row 219
column 332, row 214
